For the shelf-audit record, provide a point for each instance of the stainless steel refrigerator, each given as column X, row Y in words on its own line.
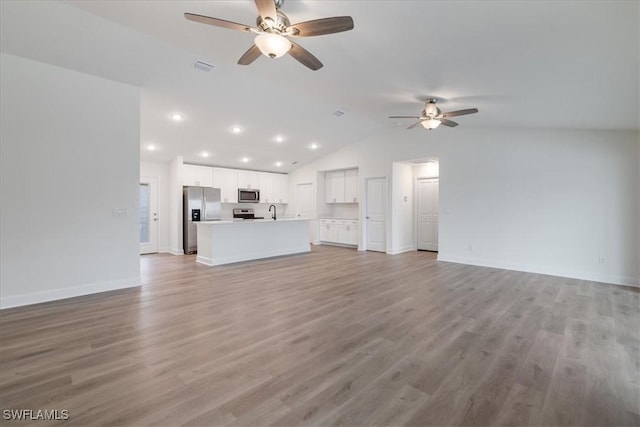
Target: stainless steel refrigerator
column 199, row 204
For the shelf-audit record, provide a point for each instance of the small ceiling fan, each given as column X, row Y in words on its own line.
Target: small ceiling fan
column 273, row 30
column 432, row 117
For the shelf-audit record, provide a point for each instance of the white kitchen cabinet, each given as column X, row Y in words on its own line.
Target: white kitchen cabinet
column 339, row 231
column 267, row 188
column 341, row 186
column 198, row 176
column 351, row 186
column 248, row 179
column 280, row 188
column 334, row 187
column 227, row 181
column 348, row 233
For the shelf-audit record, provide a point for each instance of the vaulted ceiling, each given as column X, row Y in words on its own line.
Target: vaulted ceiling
column 524, row 64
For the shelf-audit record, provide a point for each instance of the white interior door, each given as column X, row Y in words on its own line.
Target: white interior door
column 148, row 215
column 304, row 206
column 376, row 214
column 428, row 197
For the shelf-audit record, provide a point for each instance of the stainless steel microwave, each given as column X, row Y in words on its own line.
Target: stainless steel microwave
column 248, row 195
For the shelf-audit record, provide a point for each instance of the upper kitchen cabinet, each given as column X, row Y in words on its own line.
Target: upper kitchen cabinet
column 341, row 186
column 198, row 176
column 273, row 187
column 334, row 187
column 248, row 179
column 280, row 188
column 351, row 186
column 266, row 187
column 227, row 181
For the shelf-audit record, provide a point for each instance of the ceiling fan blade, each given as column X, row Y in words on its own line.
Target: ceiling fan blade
column 267, row 9
column 416, row 124
column 460, row 112
column 216, row 22
column 319, row 27
column 305, row 57
column 250, row 55
column 449, row 123
column 406, row 117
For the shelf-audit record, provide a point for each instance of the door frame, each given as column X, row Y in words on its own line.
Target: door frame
column 152, row 246
column 385, row 193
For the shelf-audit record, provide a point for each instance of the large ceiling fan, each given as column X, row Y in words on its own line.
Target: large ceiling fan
column 432, row 117
column 274, row 29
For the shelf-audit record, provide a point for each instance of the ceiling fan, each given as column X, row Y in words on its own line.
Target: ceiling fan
column 432, row 117
column 273, row 30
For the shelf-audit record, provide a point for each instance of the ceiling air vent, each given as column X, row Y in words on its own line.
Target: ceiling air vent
column 338, row 113
column 202, row 66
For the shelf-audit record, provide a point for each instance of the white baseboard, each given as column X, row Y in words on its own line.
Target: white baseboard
column 164, row 250
column 340, row 245
column 63, row 293
column 250, row 256
column 580, row 275
column 174, row 251
column 401, row 250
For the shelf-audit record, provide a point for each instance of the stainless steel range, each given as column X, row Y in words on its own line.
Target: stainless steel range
column 245, row 214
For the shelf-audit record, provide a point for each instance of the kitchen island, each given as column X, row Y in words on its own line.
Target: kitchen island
column 229, row 241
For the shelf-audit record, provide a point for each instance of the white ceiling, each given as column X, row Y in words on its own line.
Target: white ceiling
column 524, row 64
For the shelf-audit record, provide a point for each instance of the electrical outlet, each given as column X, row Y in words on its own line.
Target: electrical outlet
column 602, row 260
column 472, row 247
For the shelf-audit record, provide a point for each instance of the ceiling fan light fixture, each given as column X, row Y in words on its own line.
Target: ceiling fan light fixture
column 272, row 45
column 430, row 123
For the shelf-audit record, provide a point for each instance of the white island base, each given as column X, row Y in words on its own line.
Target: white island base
column 226, row 242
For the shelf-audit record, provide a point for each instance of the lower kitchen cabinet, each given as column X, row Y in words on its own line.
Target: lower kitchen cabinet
column 339, row 231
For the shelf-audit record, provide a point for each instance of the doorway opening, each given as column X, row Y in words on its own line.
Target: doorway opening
column 148, row 215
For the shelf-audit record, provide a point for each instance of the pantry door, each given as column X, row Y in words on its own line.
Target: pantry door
column 376, row 214
column 428, row 214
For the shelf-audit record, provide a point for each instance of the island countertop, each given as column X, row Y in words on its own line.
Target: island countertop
column 229, row 241
column 249, row 221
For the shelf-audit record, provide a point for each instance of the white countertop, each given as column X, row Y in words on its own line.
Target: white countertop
column 248, row 221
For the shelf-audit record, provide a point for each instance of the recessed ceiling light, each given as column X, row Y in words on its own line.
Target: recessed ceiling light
column 279, row 138
column 151, row 147
column 245, row 160
column 314, row 146
column 204, row 154
column 236, row 129
column 177, row 117
column 278, row 164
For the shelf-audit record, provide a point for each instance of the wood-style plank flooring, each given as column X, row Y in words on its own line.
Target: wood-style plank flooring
column 333, row 337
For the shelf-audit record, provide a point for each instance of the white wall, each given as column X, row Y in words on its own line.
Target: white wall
column 426, row 170
column 559, row 202
column 160, row 171
column 175, row 206
column 69, row 183
column 402, row 209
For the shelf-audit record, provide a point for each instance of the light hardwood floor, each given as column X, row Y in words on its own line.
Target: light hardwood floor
column 333, row 337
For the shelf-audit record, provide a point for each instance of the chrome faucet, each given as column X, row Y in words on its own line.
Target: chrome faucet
column 274, row 211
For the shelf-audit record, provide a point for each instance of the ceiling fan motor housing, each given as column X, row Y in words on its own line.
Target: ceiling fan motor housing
column 430, row 110
column 269, row 26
